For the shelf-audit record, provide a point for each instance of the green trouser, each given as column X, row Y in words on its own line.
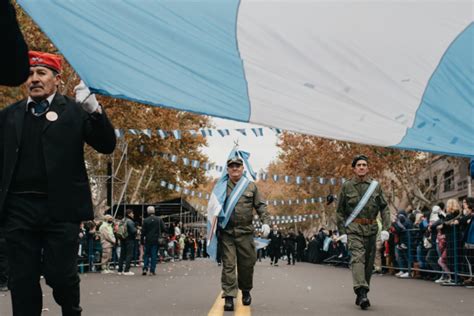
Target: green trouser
column 362, row 249
column 237, row 251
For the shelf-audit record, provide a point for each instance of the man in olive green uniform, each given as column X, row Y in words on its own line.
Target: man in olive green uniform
column 236, row 239
column 362, row 231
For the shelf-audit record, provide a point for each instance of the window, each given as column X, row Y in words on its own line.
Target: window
column 435, row 185
column 449, row 180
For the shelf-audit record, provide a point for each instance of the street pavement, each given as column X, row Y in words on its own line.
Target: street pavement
column 193, row 288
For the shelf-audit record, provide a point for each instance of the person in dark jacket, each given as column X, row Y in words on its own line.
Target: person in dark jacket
column 453, row 237
column 402, row 226
column 290, row 245
column 465, row 237
column 126, row 245
column 153, row 227
column 300, row 246
column 430, row 241
column 466, row 225
column 45, row 192
column 274, row 247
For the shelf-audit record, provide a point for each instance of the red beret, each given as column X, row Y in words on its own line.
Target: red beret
column 46, row 60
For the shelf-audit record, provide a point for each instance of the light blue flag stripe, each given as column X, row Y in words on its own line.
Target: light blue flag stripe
column 452, row 103
column 193, row 44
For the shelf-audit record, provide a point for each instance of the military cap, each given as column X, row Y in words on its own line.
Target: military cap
column 357, row 158
column 235, row 160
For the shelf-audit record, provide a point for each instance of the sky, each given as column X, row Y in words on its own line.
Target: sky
column 262, row 149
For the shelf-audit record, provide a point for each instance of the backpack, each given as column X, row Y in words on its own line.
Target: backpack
column 122, row 231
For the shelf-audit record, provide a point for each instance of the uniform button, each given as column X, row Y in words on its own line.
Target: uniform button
column 17, row 149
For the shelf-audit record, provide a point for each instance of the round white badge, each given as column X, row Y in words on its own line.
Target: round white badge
column 51, row 116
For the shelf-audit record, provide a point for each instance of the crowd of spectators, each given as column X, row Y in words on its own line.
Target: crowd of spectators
column 435, row 244
column 100, row 245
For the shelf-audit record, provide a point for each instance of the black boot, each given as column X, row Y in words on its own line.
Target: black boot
column 364, row 302
column 73, row 311
column 358, row 297
column 229, row 303
column 246, row 298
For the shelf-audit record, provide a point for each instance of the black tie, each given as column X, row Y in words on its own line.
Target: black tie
column 40, row 107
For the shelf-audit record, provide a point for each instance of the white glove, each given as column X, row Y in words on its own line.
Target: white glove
column 384, row 235
column 265, row 230
column 85, row 98
column 343, row 239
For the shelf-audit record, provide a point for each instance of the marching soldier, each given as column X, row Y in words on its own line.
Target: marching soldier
column 236, row 238
column 360, row 201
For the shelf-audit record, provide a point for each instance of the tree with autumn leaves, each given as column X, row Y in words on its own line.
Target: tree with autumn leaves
column 137, row 161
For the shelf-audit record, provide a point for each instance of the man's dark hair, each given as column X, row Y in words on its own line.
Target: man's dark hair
column 128, row 212
column 441, row 205
column 426, row 211
column 470, row 203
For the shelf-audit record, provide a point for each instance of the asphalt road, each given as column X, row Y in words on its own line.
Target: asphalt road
column 193, row 288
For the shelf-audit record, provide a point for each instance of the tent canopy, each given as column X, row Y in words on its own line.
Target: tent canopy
column 171, row 210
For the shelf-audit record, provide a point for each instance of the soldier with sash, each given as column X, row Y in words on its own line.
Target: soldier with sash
column 360, row 201
column 230, row 216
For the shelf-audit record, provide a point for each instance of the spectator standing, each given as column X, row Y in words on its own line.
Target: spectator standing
column 402, row 226
column 430, row 240
column 300, row 246
column 290, row 243
column 276, row 241
column 182, row 245
column 107, row 240
column 448, row 239
column 467, row 225
column 127, row 244
column 152, row 230
column 177, row 229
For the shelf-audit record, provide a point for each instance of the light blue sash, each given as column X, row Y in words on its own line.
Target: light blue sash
column 362, row 202
column 219, row 207
column 232, row 200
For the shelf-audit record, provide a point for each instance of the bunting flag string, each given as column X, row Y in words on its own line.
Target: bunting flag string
column 260, row 175
column 206, row 196
column 274, row 219
column 286, row 219
column 177, row 134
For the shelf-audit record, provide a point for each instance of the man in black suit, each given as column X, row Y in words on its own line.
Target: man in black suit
column 153, row 226
column 44, row 191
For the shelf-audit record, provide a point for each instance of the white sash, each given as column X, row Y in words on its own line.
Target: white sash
column 362, row 202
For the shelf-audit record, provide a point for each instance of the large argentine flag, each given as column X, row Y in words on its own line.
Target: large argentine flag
column 385, row 72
